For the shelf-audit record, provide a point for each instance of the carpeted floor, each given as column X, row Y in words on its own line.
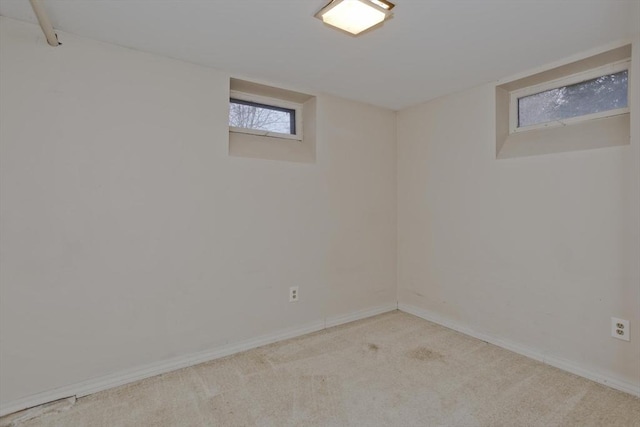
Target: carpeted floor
column 390, row 370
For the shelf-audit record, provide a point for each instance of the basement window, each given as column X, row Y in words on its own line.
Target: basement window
column 578, row 105
column 595, row 94
column 266, row 122
column 259, row 115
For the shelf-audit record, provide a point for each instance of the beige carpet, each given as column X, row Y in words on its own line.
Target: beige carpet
column 390, row 370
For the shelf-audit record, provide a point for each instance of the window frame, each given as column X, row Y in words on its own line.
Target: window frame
column 612, row 68
column 268, row 102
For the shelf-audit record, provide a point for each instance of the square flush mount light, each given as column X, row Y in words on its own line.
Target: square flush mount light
column 355, row 16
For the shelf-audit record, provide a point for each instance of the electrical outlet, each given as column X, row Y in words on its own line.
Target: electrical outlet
column 620, row 328
column 293, row 294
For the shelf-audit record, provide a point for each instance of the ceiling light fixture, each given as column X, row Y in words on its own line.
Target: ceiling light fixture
column 355, row 16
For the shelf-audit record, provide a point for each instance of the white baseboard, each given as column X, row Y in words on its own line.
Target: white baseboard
column 131, row 375
column 557, row 362
column 360, row 314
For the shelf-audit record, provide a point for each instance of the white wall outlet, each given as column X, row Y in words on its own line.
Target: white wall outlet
column 293, row 294
column 620, row 328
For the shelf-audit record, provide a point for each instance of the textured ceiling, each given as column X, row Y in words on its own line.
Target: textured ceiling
column 430, row 47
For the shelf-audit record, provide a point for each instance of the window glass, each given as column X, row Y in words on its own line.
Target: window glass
column 608, row 92
column 253, row 115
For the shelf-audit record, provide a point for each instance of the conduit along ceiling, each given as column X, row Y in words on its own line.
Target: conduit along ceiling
column 428, row 48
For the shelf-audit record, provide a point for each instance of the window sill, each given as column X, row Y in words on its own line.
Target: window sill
column 598, row 133
column 271, row 148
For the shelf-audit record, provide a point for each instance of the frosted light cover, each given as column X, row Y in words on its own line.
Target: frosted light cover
column 353, row 16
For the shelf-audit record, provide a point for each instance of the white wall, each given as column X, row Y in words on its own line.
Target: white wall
column 129, row 235
column 539, row 252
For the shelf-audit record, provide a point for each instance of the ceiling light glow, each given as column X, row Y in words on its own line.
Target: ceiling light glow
column 355, row 16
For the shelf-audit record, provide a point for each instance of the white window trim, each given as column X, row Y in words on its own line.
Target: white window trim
column 593, row 73
column 249, row 97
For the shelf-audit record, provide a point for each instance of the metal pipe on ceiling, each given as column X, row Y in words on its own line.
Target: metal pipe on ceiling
column 44, row 22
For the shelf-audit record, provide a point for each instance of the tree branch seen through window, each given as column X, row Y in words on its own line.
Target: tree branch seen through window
column 608, row 92
column 252, row 115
